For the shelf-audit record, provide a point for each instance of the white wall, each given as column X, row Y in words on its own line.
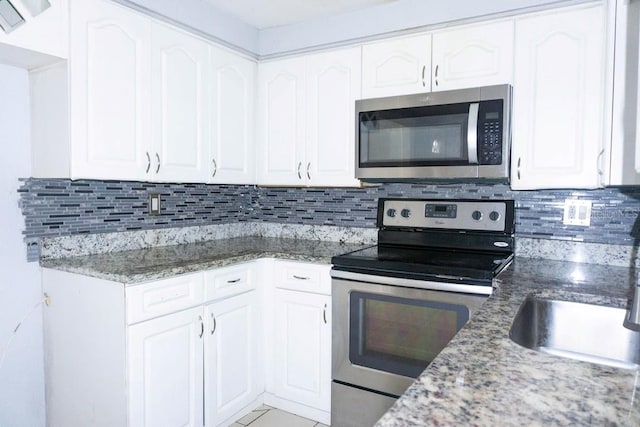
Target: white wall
column 22, row 373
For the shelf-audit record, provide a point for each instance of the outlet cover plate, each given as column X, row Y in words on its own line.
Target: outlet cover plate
column 154, row 204
column 577, row 212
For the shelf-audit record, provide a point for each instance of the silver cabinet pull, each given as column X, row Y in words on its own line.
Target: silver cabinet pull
column 158, row 159
column 424, row 69
column 600, row 171
column 299, row 166
column 308, row 167
column 324, row 314
column 214, row 323
column 148, row 162
column 215, row 168
column 234, row 280
column 300, row 277
column 518, row 168
column 436, row 74
column 201, row 326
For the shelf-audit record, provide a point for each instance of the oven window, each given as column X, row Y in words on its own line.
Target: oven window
column 400, row 335
column 414, row 137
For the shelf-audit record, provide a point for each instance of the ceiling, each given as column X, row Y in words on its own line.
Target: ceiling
column 272, row 13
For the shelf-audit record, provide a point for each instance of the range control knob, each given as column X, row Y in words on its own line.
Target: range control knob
column 391, row 212
column 406, row 213
column 477, row 215
column 494, row 216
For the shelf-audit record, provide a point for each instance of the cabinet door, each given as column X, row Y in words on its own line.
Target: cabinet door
column 109, row 91
column 396, row 67
column 333, row 85
column 166, row 369
column 281, row 116
column 303, row 348
column 232, row 102
column 479, row 55
column 179, row 105
column 558, row 99
column 231, row 356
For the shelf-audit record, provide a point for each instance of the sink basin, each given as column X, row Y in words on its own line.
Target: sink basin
column 580, row 331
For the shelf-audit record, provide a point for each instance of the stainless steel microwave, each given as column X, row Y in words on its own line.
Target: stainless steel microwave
column 457, row 134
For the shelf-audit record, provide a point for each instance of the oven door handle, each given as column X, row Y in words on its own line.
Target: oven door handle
column 472, row 133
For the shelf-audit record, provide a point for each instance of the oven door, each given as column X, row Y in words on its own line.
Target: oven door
column 384, row 336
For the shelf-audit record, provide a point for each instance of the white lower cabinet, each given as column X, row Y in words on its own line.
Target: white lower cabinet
column 187, row 350
column 303, row 348
column 166, row 370
column 231, row 351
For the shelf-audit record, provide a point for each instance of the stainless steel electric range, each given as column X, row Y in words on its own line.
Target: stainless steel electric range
column 397, row 305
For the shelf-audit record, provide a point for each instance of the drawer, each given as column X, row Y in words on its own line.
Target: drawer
column 228, row 281
column 162, row 297
column 301, row 276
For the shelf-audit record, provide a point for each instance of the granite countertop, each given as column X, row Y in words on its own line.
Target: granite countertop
column 142, row 265
column 482, row 378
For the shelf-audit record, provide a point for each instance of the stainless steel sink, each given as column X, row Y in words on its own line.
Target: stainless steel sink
column 586, row 332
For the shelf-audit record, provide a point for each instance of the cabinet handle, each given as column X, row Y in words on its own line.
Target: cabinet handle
column 214, row 323
column 215, row 168
column 148, row 162
column 299, row 166
column 436, row 74
column 300, row 277
column 234, row 280
column 201, row 326
column 158, row 159
column 518, row 169
column 324, row 314
column 424, row 69
column 308, row 167
column 600, row 171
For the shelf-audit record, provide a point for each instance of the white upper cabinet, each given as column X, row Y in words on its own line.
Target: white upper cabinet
column 232, row 105
column 558, row 99
column 333, row 85
column 179, row 64
column 475, row 55
column 396, row 67
column 306, row 119
column 109, row 92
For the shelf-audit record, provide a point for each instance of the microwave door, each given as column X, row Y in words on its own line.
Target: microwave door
column 472, row 134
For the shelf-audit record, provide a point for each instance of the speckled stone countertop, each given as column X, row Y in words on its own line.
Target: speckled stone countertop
column 142, row 265
column 482, row 378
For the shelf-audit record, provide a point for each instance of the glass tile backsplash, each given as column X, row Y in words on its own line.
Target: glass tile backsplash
column 55, row 207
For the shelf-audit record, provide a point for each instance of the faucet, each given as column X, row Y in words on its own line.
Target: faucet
column 633, row 320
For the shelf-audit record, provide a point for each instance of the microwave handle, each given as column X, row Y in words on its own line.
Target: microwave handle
column 472, row 133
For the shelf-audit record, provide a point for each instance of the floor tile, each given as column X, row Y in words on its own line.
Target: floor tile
column 236, row 425
column 251, row 417
column 278, row 418
column 321, row 425
column 263, row 408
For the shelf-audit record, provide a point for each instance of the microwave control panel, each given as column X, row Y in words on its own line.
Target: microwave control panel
column 456, row 215
column 490, row 133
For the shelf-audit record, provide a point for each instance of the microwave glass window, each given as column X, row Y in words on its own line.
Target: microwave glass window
column 408, row 137
column 388, row 333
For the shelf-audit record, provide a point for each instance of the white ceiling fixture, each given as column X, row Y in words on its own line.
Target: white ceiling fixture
column 272, row 13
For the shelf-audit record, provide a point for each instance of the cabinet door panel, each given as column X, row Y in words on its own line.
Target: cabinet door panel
column 558, row 100
column 303, row 348
column 179, row 105
column 232, row 118
column 282, row 122
column 110, row 91
column 333, row 82
column 396, row 67
column 479, row 55
column 165, row 370
column 230, row 357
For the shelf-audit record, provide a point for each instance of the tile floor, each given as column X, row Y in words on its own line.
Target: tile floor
column 266, row 416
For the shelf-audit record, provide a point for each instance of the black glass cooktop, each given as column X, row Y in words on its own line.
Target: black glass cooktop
column 424, row 263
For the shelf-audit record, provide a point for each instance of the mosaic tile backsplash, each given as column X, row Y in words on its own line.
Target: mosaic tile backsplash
column 54, row 207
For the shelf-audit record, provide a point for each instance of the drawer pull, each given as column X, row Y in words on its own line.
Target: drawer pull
column 300, row 277
column 234, row 280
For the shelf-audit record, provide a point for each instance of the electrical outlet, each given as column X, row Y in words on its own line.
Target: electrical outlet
column 577, row 212
column 154, row 204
